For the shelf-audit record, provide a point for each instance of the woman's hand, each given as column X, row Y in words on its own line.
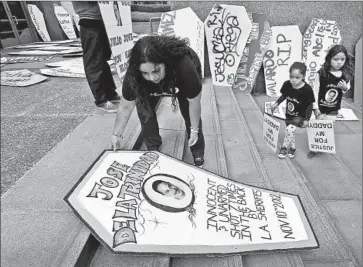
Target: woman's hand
column 193, row 138
column 115, row 142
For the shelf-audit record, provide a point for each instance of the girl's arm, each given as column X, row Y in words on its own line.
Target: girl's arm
column 280, row 100
column 308, row 112
column 122, row 115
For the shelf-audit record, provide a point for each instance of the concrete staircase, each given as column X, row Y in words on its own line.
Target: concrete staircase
column 40, row 223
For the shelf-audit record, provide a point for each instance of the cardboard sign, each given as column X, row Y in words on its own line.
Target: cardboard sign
column 285, row 48
column 318, row 38
column 271, row 130
column 147, row 202
column 227, row 29
column 20, row 78
column 69, row 50
column 59, row 42
column 118, row 13
column 24, row 59
column 76, row 21
column 64, row 72
column 358, row 82
column 120, row 37
column 279, row 112
column 32, row 46
column 321, row 136
column 39, row 22
column 55, row 48
column 185, row 23
column 256, row 47
column 65, row 21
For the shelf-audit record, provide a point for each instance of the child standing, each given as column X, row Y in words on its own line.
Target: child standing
column 299, row 104
column 332, row 81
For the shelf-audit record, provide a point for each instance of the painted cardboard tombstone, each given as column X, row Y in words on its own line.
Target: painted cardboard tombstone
column 65, row 21
column 20, row 78
column 117, row 18
column 227, row 28
column 137, row 201
column 285, row 48
column 321, row 136
column 184, row 23
column 251, row 60
column 318, row 38
column 358, row 82
column 271, row 130
column 39, row 22
column 279, row 112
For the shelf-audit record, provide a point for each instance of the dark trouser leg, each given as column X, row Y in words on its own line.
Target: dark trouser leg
column 96, row 52
column 149, row 124
column 199, row 147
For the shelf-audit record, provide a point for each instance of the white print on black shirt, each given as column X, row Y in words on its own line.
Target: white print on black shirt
column 330, row 99
column 291, row 106
column 165, row 94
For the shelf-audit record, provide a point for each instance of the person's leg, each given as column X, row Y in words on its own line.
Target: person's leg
column 149, row 124
column 291, row 151
column 96, row 68
column 289, row 134
column 198, row 148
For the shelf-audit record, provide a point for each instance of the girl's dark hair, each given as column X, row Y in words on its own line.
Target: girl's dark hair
column 157, row 49
column 299, row 66
column 347, row 69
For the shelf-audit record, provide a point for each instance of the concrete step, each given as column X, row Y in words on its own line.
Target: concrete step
column 245, row 166
column 289, row 177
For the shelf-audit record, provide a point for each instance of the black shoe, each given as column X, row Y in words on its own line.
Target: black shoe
column 115, row 100
column 311, row 154
column 199, row 162
column 283, row 152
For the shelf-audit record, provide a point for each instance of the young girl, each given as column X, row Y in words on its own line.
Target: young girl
column 332, row 81
column 299, row 104
column 161, row 66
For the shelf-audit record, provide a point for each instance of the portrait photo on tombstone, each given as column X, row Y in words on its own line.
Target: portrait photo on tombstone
column 168, row 193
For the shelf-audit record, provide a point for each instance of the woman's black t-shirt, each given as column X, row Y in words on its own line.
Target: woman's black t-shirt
column 188, row 80
column 297, row 100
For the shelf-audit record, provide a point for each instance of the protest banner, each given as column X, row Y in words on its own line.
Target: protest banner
column 24, row 59
column 58, row 42
column 65, row 21
column 317, row 40
column 227, row 28
column 55, row 48
column 256, row 47
column 279, row 112
column 32, row 46
column 321, row 136
column 358, row 82
column 271, row 130
column 64, row 72
column 138, row 202
column 33, row 52
column 120, row 37
column 184, row 23
column 39, row 22
column 20, row 78
column 285, row 49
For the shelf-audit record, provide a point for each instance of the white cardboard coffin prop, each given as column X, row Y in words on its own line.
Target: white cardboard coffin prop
column 20, row 78
column 227, row 28
column 256, row 47
column 65, row 21
column 318, row 38
column 117, row 19
column 146, row 202
column 185, row 23
column 285, row 48
column 39, row 22
column 358, row 81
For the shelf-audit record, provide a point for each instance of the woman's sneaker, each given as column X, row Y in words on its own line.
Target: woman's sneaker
column 283, row 152
column 291, row 153
column 199, row 162
column 108, row 107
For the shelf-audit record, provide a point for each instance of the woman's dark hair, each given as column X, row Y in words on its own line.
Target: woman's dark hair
column 157, row 49
column 347, row 69
column 299, row 66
